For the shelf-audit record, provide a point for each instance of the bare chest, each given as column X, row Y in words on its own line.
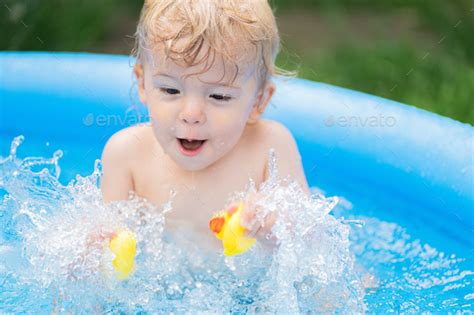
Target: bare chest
column 198, row 196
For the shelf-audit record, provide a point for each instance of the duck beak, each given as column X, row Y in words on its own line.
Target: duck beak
column 216, row 224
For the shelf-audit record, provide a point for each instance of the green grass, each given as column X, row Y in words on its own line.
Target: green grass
column 429, row 63
column 437, row 16
column 395, row 71
column 62, row 25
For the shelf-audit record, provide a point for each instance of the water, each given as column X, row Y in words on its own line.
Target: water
column 329, row 257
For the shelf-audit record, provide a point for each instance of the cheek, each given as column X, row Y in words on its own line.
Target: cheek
column 229, row 127
column 161, row 119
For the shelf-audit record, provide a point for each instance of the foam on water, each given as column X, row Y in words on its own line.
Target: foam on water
column 52, row 256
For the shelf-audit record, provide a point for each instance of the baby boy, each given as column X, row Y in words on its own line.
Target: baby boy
column 203, row 70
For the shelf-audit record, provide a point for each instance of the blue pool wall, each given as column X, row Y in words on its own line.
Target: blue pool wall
column 349, row 141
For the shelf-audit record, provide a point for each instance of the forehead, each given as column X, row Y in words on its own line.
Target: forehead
column 209, row 66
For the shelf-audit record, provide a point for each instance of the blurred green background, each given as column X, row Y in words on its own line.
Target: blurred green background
column 419, row 52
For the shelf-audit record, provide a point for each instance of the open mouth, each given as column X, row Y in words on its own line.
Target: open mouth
column 190, row 147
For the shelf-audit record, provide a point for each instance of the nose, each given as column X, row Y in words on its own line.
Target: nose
column 192, row 113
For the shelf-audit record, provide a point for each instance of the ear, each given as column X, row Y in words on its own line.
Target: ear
column 261, row 102
column 140, row 75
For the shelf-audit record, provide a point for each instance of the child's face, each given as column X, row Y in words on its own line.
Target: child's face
column 204, row 107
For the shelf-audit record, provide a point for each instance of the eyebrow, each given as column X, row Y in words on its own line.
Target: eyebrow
column 163, row 75
column 216, row 84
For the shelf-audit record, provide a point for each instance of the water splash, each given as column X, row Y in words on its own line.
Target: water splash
column 52, row 259
column 52, row 262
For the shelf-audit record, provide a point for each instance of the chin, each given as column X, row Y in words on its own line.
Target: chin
column 193, row 167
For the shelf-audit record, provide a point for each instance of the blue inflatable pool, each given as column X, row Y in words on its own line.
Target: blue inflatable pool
column 392, row 161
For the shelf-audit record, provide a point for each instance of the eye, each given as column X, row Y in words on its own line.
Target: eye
column 220, row 97
column 169, row 91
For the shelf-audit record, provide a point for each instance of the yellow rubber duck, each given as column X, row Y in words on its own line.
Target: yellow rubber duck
column 124, row 246
column 226, row 226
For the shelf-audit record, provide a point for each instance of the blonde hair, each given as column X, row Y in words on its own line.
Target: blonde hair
column 226, row 27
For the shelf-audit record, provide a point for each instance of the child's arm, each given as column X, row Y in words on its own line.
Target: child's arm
column 288, row 163
column 287, row 154
column 115, row 184
column 117, row 180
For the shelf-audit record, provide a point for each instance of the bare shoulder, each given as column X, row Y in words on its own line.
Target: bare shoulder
column 126, row 143
column 275, row 132
column 278, row 137
column 122, row 151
